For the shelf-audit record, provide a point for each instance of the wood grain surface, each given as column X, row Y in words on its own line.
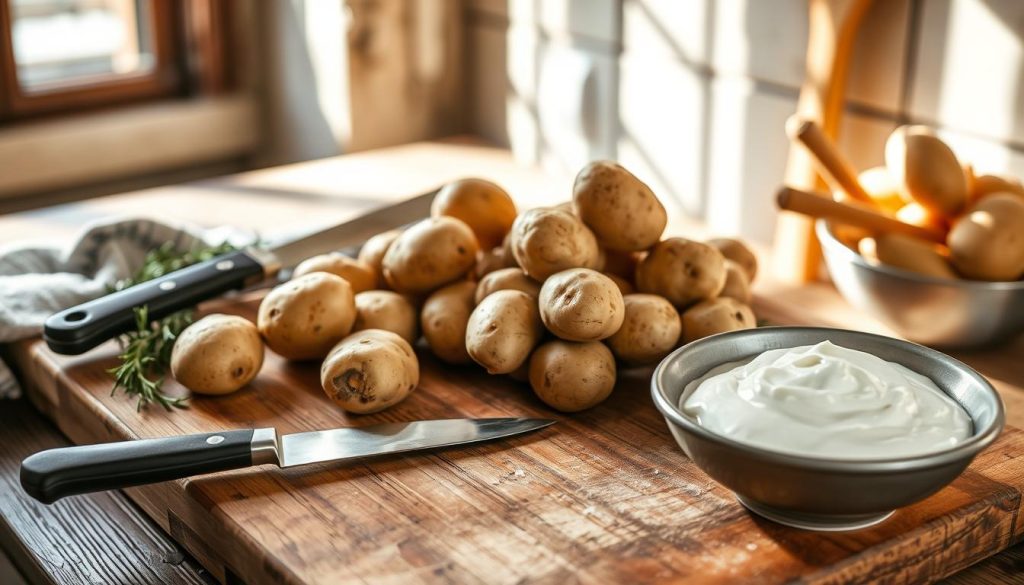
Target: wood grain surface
column 602, row 496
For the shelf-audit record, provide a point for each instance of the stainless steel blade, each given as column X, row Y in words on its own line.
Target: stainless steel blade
column 340, row 444
column 353, row 232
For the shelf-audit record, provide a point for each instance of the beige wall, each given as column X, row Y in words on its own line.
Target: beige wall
column 692, row 94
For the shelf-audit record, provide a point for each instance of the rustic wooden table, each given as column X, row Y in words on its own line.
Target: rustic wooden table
column 99, row 532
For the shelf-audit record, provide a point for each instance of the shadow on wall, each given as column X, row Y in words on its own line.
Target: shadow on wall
column 297, row 128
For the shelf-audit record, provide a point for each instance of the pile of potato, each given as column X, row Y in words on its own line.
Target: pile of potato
column 555, row 295
column 923, row 183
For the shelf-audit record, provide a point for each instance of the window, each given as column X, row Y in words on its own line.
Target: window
column 68, row 55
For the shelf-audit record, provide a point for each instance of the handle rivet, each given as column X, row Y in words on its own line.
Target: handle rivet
column 168, row 285
column 224, row 265
column 215, row 440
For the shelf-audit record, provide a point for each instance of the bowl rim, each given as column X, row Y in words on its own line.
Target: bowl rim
column 981, row 438
column 828, row 239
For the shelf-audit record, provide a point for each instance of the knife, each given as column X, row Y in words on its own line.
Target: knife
column 81, row 328
column 53, row 474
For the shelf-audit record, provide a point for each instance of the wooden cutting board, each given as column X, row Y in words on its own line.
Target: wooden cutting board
column 603, row 496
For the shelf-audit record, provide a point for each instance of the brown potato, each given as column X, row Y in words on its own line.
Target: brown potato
column 444, row 318
column 502, row 331
column 737, row 286
column 485, row 207
column 621, row 210
column 621, row 264
column 546, row 241
column 984, row 185
column 570, row 376
column 683, row 271
column 304, row 317
column 217, row 354
column 649, row 331
column 506, row 279
column 987, row 242
column 369, row 371
column 580, row 304
column 739, row 253
column 387, row 310
column 429, row 255
column 359, row 274
column 716, row 316
column 882, row 188
column 625, row 287
column 373, row 250
column 487, row 261
column 906, row 253
column 926, row 170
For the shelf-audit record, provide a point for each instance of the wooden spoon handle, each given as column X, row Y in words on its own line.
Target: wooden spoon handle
column 823, row 207
column 831, row 161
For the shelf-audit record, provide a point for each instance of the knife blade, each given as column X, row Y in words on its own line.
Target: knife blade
column 83, row 327
column 53, row 474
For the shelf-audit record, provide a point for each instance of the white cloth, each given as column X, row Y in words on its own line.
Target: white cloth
column 39, row 279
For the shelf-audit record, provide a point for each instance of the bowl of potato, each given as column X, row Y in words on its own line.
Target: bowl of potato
column 962, row 288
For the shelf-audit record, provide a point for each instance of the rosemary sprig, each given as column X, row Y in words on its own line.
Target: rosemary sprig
column 146, row 352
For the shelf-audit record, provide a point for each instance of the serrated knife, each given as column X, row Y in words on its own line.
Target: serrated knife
column 53, row 474
column 81, row 328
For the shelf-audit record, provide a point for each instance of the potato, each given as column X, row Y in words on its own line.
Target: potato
column 916, row 214
column 649, row 331
column 429, row 255
column 387, row 310
column 502, row 330
column 570, row 376
column 546, row 241
column 987, row 242
column 737, row 286
column 506, row 279
column 906, row 253
column 217, row 354
column 625, row 287
column 373, row 250
column 444, row 318
column 716, row 316
column 882, row 188
column 682, row 271
column 485, row 207
column 621, row 264
column 304, row 317
column 927, row 170
column 739, row 253
column 580, row 304
column 984, row 185
column 487, row 261
column 369, row 371
column 621, row 210
column 359, row 274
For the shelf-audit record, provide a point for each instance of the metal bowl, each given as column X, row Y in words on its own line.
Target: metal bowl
column 926, row 309
column 819, row 493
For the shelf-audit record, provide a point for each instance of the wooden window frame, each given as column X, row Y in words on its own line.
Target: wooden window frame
column 190, row 47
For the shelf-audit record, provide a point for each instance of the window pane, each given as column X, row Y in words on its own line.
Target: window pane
column 77, row 42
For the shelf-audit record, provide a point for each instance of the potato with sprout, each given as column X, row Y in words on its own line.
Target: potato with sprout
column 369, row 371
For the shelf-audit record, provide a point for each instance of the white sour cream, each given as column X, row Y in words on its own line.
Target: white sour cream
column 826, row 401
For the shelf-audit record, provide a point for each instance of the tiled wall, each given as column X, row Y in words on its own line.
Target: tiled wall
column 693, row 94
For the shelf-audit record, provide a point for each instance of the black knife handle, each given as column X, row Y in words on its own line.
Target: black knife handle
column 79, row 329
column 50, row 475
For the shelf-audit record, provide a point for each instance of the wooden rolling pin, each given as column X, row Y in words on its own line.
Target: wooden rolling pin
column 829, row 158
column 821, row 206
